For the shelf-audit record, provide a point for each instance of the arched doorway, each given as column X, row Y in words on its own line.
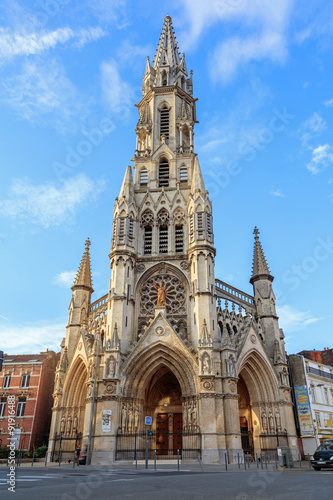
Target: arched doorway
column 163, row 402
column 245, row 417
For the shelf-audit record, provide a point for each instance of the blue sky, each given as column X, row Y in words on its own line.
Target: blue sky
column 70, row 74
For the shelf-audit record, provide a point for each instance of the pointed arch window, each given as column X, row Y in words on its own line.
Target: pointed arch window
column 164, row 122
column 163, row 173
column 179, row 238
column 147, row 221
column 143, row 177
column 163, row 228
column 183, row 174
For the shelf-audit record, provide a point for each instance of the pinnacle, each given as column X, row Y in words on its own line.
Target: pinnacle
column 83, row 277
column 260, row 267
column 127, row 190
column 197, row 184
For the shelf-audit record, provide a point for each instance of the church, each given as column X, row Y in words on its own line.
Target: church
column 169, row 340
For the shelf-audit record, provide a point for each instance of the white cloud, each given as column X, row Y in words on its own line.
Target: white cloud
column 117, row 93
column 66, row 279
column 43, row 89
column 329, row 103
column 49, row 204
column 32, row 338
column 17, row 44
column 129, row 52
column 322, row 157
column 261, row 27
column 310, row 128
column 291, row 319
column 109, row 12
column 277, row 192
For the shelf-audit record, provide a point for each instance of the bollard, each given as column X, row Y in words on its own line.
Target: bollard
column 178, row 460
column 74, row 461
column 265, row 460
column 60, row 453
column 261, row 461
column 33, row 458
column 248, row 460
column 310, row 463
column 200, row 463
column 300, row 461
column 45, row 459
column 275, row 455
column 136, row 460
column 238, row 461
column 155, row 460
column 244, row 461
column 257, row 460
column 226, row 462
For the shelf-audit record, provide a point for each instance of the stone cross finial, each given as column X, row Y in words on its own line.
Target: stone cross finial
column 256, row 232
column 88, row 244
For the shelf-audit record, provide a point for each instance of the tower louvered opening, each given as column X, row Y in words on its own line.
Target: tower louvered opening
column 179, row 239
column 164, row 126
column 183, row 173
column 143, row 177
column 163, row 174
column 147, row 240
column 163, row 242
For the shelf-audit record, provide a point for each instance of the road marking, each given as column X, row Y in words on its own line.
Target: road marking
column 118, row 480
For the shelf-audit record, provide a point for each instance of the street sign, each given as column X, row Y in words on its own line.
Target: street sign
column 148, row 420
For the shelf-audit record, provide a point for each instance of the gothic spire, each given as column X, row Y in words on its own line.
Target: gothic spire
column 127, row 189
column 260, row 267
column 83, row 277
column 197, row 184
column 167, row 51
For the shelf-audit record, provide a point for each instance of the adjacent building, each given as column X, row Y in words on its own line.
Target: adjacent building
column 203, row 359
column 312, row 382
column 30, row 378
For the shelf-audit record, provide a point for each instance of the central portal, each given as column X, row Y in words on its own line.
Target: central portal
column 164, row 404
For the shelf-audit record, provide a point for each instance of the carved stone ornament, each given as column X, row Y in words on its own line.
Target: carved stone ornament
column 207, row 385
column 110, row 388
column 159, row 331
column 185, row 264
column 253, row 338
column 80, row 346
column 140, row 268
column 232, row 386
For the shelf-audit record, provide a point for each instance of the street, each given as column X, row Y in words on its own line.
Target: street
column 167, row 483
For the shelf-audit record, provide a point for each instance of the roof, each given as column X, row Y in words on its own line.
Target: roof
column 26, row 358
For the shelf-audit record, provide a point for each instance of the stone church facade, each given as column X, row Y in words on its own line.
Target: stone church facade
column 205, row 360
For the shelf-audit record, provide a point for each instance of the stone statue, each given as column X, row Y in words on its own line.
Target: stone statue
column 205, row 363
column 123, row 419
column 264, row 421
column 62, row 425
column 130, row 419
column 271, row 422
column 194, row 416
column 161, row 294
column 185, row 415
column 75, row 421
column 69, row 426
column 278, row 421
column 112, row 367
column 189, row 415
column 136, row 418
column 232, row 366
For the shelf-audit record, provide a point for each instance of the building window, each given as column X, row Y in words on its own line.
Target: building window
column 163, row 241
column 6, row 381
column 191, row 228
column 131, row 232
column 183, row 174
column 163, row 173
column 331, row 391
column 20, row 407
column 147, row 240
column 209, row 227
column 164, row 125
column 326, row 396
column 25, row 381
column 313, row 393
column 179, row 238
column 330, row 420
column 200, row 226
column 143, row 177
column 318, row 419
column 2, row 406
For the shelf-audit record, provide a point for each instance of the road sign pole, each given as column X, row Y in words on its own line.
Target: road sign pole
column 146, row 447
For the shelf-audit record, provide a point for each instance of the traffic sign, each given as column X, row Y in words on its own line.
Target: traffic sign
column 148, row 420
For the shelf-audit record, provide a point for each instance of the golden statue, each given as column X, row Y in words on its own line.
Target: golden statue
column 161, row 294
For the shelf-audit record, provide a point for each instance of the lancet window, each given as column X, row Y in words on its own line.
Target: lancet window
column 164, row 125
column 147, row 221
column 143, row 177
column 163, row 173
column 183, row 174
column 163, row 227
column 179, row 217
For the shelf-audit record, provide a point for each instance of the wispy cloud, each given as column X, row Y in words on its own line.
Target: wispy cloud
column 311, row 128
column 17, row 44
column 292, row 320
column 49, row 204
column 322, row 157
column 117, row 93
column 32, row 338
column 278, row 193
column 43, row 89
column 262, row 27
column 66, row 279
column 115, row 12
column 328, row 103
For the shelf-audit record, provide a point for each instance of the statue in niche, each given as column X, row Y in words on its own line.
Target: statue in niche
column 62, row 425
column 136, row 418
column 205, row 364
column 284, row 377
column 112, row 367
column 130, row 419
column 123, row 419
column 189, row 415
column 264, row 421
column 75, row 422
column 91, row 370
column 232, row 365
column 194, row 416
column 69, row 426
column 161, row 293
column 271, row 422
column 185, row 415
column 278, row 421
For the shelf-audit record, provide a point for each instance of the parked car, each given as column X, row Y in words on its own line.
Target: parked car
column 83, row 457
column 323, row 456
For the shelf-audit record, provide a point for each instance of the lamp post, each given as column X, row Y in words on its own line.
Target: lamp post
column 93, row 403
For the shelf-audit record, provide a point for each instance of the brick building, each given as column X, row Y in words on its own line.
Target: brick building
column 30, row 378
column 324, row 357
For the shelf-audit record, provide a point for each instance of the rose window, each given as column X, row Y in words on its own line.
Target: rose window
column 175, row 299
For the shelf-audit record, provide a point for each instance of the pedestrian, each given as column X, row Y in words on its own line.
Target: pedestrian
column 77, row 454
